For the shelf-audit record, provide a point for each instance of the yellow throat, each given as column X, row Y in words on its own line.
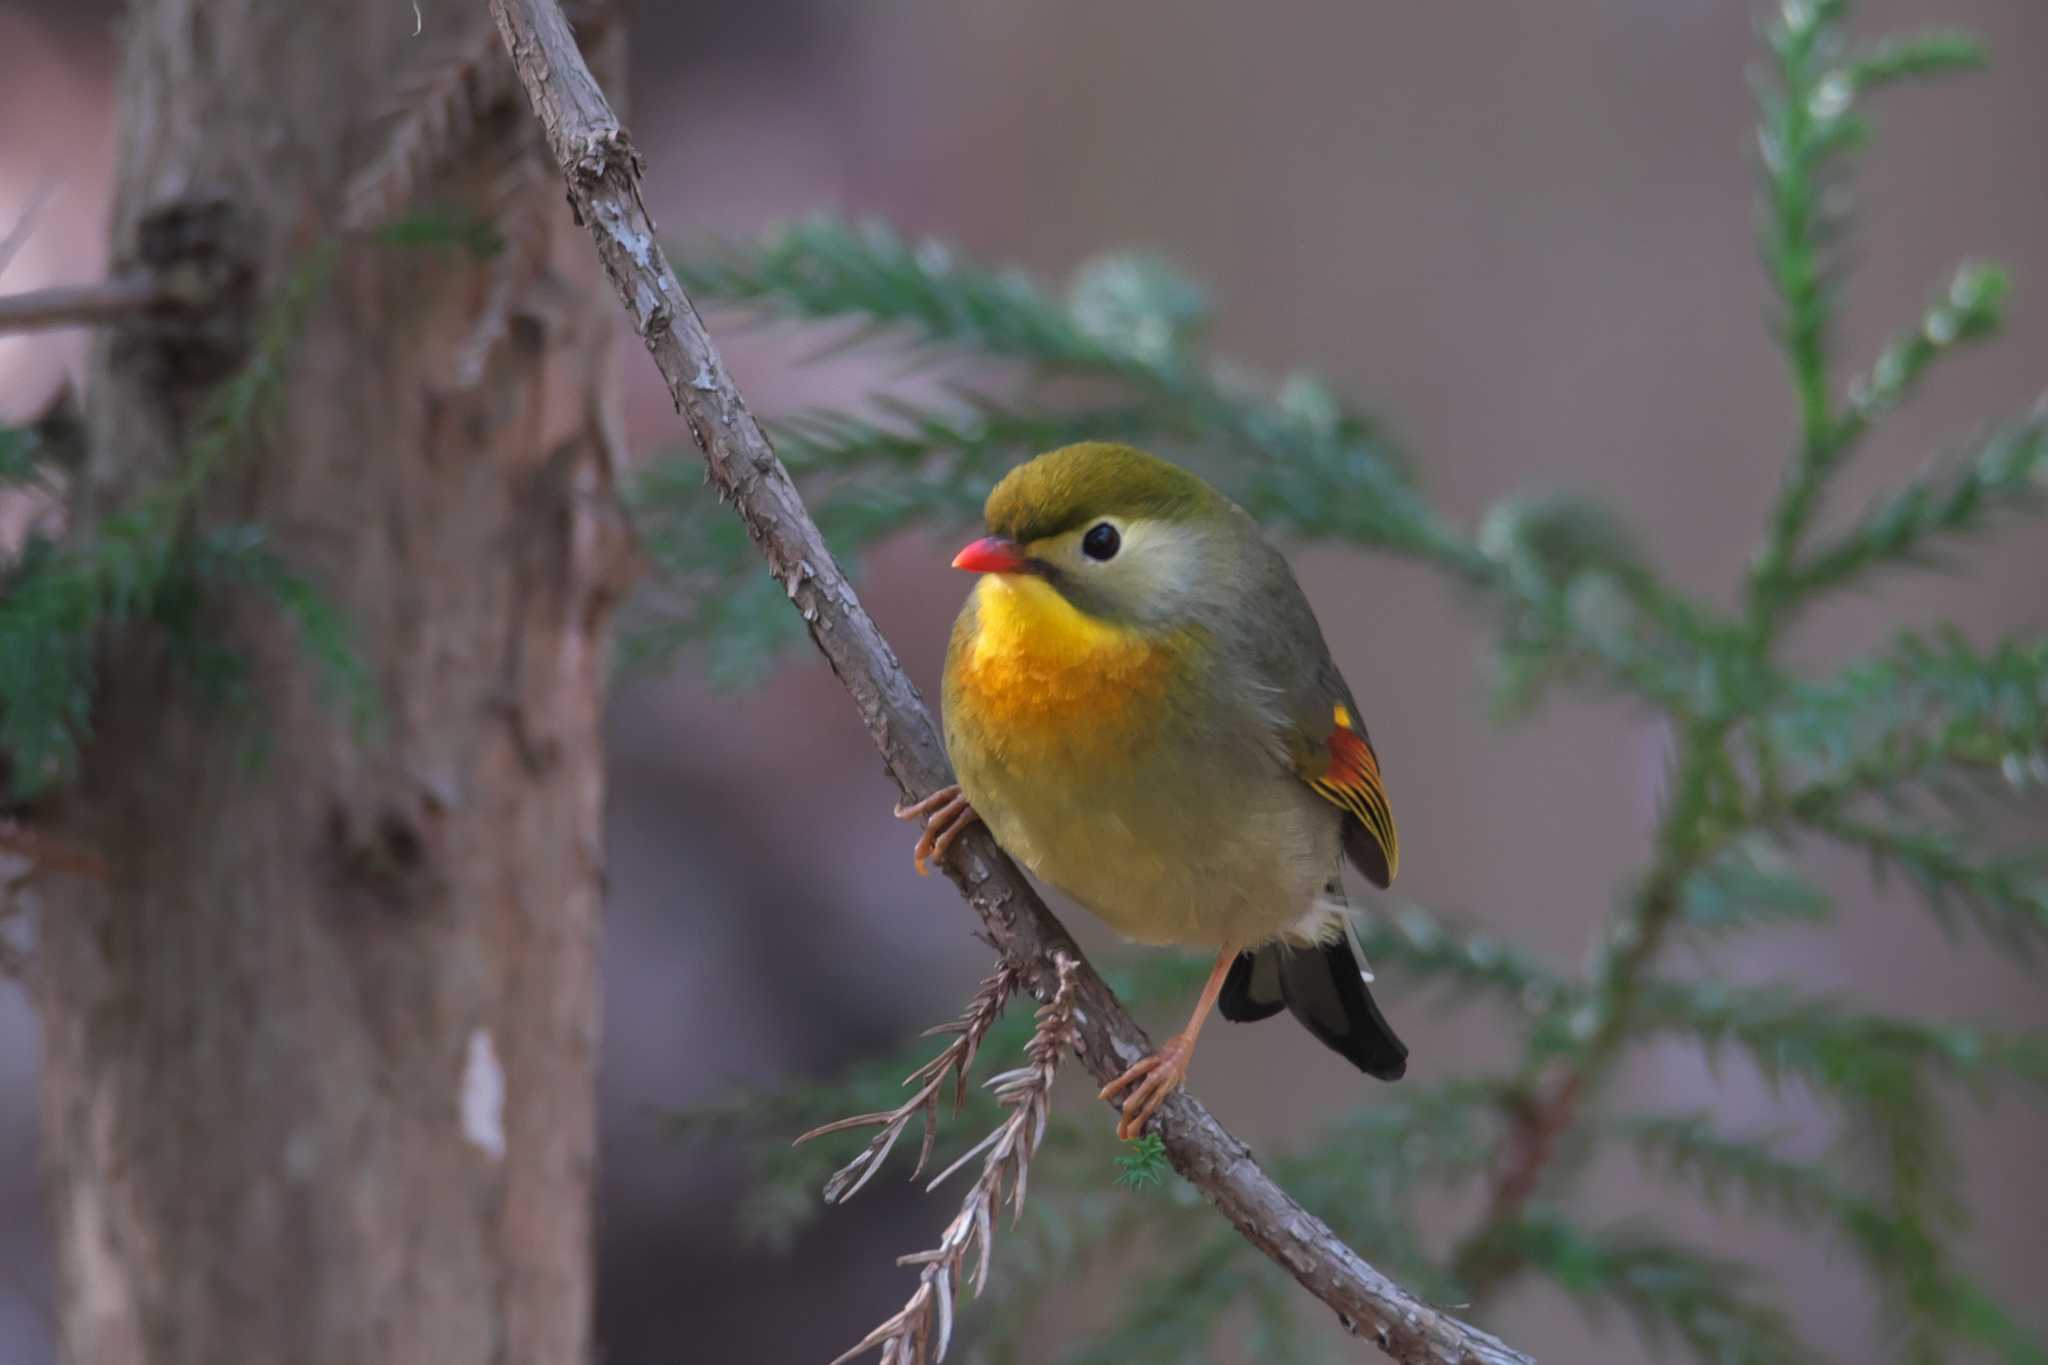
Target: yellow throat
column 1044, row 679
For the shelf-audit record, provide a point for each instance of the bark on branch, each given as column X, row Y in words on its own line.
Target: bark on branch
column 602, row 172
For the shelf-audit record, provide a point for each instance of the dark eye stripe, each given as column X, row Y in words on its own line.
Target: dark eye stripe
column 1101, row 542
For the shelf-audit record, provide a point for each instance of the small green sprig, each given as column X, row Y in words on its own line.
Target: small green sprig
column 1142, row 1164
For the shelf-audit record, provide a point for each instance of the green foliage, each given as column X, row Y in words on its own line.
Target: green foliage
column 444, row 228
column 1878, row 1058
column 1413, row 945
column 2006, row 895
column 1750, row 885
column 1914, row 755
column 1142, row 1164
column 871, row 478
column 242, row 556
column 1933, row 1305
column 1713, row 1305
column 2009, row 473
column 924, row 292
column 1921, row 711
column 1373, row 1173
column 138, row 563
column 24, row 462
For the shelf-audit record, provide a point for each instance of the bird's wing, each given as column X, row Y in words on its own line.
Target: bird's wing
column 1334, row 755
column 1310, row 711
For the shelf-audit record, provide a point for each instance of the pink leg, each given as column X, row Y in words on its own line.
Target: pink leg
column 1154, row 1078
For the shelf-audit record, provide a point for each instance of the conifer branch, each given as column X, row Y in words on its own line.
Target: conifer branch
column 429, row 117
column 59, row 596
column 1427, row 948
column 2009, row 474
column 1842, row 1054
column 919, row 1333
column 1971, row 309
column 2007, row 895
column 1806, row 128
column 1707, row 1302
column 1932, row 1302
column 451, row 85
column 1576, row 595
column 602, row 172
column 1752, row 883
column 1809, row 125
column 952, row 1064
column 1922, row 706
column 1939, row 53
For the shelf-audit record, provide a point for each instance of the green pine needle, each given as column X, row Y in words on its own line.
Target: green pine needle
column 1923, row 707
column 2008, row 474
column 1142, row 1165
column 1928, row 54
column 1413, row 946
column 1751, row 885
column 1711, row 1305
column 2006, row 895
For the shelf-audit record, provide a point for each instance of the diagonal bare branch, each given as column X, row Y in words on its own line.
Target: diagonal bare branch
column 602, row 172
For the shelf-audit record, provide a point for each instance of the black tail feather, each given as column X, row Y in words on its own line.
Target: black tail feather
column 1324, row 987
column 1252, row 990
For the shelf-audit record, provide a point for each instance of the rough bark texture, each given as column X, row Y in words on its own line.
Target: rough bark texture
column 320, row 1051
column 603, row 175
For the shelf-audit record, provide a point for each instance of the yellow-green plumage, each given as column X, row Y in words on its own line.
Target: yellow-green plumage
column 1148, row 732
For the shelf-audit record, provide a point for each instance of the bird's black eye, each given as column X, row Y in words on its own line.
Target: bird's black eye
column 1101, row 542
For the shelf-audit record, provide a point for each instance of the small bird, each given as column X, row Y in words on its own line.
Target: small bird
column 1140, row 706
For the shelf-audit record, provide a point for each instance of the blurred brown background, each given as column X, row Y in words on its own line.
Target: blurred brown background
column 1521, row 231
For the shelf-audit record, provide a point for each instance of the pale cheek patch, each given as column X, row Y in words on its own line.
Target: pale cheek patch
column 482, row 1096
column 1161, row 560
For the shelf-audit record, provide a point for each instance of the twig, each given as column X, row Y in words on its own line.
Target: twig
column 83, row 305
column 953, row 1063
column 1628, row 947
column 602, row 172
column 430, row 115
column 25, row 221
column 48, row 853
column 921, row 1330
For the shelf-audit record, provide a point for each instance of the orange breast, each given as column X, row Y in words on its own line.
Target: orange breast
column 1045, row 681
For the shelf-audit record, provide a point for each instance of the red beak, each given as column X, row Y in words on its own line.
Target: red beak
column 992, row 554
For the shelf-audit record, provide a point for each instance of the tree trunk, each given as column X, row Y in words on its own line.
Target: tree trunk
column 319, row 1055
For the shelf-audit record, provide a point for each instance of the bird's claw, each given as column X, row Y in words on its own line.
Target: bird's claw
column 945, row 813
column 1154, row 1078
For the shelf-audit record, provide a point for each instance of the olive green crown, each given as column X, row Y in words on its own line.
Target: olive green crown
column 1064, row 488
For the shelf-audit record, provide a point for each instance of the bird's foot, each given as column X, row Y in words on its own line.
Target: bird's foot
column 945, row 813
column 1156, row 1077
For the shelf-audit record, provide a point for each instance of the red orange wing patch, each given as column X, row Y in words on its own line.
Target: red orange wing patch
column 1350, row 777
